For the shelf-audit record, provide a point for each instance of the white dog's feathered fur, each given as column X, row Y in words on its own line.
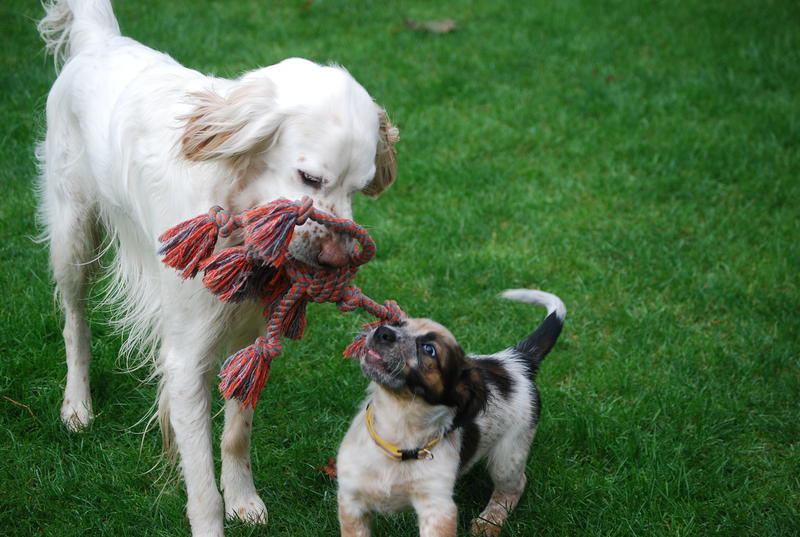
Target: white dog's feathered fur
column 426, row 392
column 136, row 143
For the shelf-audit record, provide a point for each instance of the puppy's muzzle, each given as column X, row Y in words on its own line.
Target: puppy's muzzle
column 385, row 358
column 384, row 336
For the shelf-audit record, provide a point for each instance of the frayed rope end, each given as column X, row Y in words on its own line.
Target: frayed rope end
column 244, row 374
column 188, row 244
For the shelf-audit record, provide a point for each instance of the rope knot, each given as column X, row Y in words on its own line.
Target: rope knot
column 393, row 312
column 226, row 223
column 304, row 210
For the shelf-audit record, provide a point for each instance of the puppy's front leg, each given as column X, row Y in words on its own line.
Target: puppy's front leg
column 490, row 523
column 241, row 499
column 354, row 521
column 437, row 517
column 188, row 398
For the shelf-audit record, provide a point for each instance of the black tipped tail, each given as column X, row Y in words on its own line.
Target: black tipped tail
column 536, row 346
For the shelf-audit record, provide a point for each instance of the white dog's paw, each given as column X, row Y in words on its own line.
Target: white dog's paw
column 76, row 415
column 249, row 509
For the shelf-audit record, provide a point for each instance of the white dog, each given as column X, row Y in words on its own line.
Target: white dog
column 137, row 143
column 432, row 413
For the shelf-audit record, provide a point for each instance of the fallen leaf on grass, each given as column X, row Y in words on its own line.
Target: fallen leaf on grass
column 329, row 469
column 443, row 26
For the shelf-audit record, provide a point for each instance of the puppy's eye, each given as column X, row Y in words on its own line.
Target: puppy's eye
column 310, row 180
column 429, row 349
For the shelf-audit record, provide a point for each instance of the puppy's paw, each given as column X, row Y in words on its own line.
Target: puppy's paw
column 480, row 527
column 76, row 414
column 247, row 509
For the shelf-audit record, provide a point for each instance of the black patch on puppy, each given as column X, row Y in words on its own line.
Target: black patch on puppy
column 536, row 346
column 469, row 395
column 470, row 438
column 537, row 405
column 494, row 372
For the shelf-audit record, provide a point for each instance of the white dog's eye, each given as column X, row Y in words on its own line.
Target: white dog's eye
column 429, row 349
column 310, row 180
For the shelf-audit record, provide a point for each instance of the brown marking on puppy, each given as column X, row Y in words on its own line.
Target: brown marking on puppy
column 301, row 159
column 449, row 378
column 421, row 325
column 433, row 376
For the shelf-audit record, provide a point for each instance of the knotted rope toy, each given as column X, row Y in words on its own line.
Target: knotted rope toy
column 261, row 269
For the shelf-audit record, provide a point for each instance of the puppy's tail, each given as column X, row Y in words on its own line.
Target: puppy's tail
column 70, row 26
column 536, row 346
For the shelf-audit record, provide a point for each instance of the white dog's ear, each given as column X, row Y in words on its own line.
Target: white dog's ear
column 226, row 127
column 385, row 156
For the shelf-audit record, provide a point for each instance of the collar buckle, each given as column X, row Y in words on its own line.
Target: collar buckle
column 425, row 454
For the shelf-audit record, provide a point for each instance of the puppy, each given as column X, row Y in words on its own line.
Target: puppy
column 432, row 413
column 135, row 144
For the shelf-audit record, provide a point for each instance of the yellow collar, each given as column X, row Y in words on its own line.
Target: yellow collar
column 394, row 451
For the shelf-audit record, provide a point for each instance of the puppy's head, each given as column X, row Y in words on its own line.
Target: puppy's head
column 290, row 130
column 419, row 357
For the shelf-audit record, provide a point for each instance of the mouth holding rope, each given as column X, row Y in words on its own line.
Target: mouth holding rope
column 262, row 269
column 315, row 245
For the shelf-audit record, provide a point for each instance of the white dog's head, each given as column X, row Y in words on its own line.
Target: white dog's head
column 290, row 130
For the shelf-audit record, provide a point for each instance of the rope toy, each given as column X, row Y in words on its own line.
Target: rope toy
column 261, row 269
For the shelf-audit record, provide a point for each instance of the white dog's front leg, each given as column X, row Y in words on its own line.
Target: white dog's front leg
column 241, row 499
column 189, row 413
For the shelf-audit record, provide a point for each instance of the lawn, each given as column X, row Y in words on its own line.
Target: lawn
column 639, row 159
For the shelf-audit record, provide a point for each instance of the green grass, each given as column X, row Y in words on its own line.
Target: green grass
column 638, row 159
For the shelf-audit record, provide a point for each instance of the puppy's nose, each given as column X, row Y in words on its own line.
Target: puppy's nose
column 385, row 335
column 333, row 254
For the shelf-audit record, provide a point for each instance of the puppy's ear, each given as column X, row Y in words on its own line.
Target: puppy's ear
column 469, row 394
column 230, row 126
column 385, row 156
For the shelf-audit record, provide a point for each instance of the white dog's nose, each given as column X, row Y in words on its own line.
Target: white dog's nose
column 333, row 254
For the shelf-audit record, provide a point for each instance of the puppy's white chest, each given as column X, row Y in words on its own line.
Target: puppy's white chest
column 388, row 495
column 379, row 483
